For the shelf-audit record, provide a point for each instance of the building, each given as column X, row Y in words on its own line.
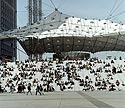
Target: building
column 8, row 21
column 34, row 11
column 60, row 33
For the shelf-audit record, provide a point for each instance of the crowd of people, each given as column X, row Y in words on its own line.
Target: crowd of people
column 65, row 75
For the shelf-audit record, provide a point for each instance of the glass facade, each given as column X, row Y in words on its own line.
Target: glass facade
column 8, row 21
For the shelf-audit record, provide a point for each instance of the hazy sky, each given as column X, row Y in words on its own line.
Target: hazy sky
column 92, row 9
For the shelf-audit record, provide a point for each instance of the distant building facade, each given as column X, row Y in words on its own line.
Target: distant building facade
column 8, row 21
column 34, row 11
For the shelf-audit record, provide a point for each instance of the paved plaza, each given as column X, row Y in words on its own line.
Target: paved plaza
column 95, row 99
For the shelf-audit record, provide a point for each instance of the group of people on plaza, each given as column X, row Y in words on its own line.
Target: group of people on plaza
column 39, row 89
column 48, row 76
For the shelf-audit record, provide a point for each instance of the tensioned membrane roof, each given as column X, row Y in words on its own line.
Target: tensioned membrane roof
column 59, row 32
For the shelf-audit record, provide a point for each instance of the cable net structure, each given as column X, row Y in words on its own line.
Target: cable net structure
column 59, row 32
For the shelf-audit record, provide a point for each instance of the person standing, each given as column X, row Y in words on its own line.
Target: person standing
column 12, row 88
column 41, row 89
column 23, row 88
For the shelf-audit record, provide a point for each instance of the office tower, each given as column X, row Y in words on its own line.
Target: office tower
column 8, row 21
column 34, row 11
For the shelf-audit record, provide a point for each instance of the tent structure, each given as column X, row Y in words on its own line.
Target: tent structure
column 59, row 32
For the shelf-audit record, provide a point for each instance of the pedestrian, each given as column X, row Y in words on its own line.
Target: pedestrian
column 23, row 88
column 41, row 89
column 29, row 88
column 117, row 82
column 38, row 89
column 12, row 88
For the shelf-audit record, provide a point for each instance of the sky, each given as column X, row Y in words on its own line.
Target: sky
column 90, row 9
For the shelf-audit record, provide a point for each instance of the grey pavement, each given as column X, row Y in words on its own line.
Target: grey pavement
column 96, row 99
